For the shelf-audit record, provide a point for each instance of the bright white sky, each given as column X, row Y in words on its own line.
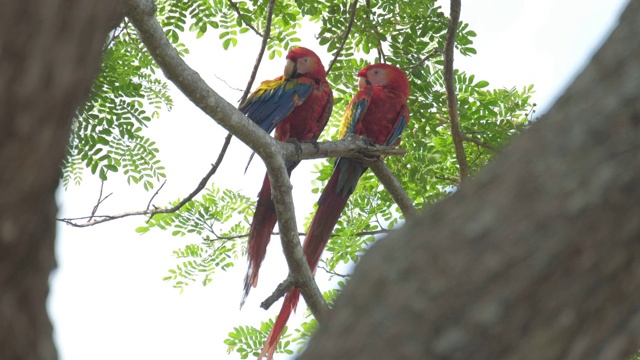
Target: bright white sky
column 108, row 300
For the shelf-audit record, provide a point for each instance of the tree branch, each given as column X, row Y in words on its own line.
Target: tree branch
column 281, row 290
column 354, row 146
column 352, row 16
column 276, row 233
column 141, row 14
column 452, row 98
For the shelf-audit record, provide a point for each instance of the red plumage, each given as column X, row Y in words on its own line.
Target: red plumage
column 379, row 112
column 298, row 104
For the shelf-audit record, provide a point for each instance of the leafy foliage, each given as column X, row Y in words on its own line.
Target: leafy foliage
column 247, row 340
column 108, row 133
column 217, row 217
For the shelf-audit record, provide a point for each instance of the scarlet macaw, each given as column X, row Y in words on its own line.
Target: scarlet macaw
column 298, row 105
column 379, row 112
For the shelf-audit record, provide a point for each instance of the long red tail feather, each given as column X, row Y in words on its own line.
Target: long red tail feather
column 290, row 303
column 264, row 220
column 330, row 206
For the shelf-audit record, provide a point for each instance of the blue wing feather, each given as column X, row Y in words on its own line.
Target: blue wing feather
column 274, row 100
column 401, row 123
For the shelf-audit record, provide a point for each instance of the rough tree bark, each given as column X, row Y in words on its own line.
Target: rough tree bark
column 49, row 54
column 536, row 258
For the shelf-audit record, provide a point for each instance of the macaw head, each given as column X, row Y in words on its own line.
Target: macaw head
column 302, row 61
column 385, row 75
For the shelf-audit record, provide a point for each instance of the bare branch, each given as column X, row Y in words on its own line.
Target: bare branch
column 235, row 7
column 436, row 51
column 156, row 194
column 331, row 272
column 345, row 36
column 281, row 290
column 229, row 85
column 452, row 98
column 100, row 200
column 276, row 233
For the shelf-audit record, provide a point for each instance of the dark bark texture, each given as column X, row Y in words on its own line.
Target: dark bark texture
column 535, row 258
column 49, row 53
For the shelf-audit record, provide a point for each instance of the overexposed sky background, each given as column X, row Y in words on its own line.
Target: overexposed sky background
column 108, row 300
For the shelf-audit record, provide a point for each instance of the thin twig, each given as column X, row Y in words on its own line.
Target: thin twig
column 156, row 194
column 331, row 272
column 100, row 200
column 436, row 51
column 235, row 7
column 479, row 143
column 226, row 83
column 345, row 36
column 452, row 98
column 105, row 218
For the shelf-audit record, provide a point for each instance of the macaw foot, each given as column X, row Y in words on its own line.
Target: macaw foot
column 366, row 158
column 313, row 142
column 369, row 142
column 297, row 145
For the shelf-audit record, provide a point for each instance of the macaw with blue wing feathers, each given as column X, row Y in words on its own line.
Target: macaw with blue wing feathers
column 379, row 112
column 297, row 105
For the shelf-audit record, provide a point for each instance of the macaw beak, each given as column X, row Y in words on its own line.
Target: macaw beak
column 290, row 69
column 363, row 81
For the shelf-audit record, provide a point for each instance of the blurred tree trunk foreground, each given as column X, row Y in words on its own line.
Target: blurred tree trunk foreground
column 49, row 54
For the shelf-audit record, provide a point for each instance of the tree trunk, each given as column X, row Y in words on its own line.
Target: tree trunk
column 536, row 258
column 49, row 53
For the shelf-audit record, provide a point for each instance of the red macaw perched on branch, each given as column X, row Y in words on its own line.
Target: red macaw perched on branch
column 298, row 105
column 379, row 112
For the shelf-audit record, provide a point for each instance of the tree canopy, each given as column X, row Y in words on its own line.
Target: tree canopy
column 108, row 138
